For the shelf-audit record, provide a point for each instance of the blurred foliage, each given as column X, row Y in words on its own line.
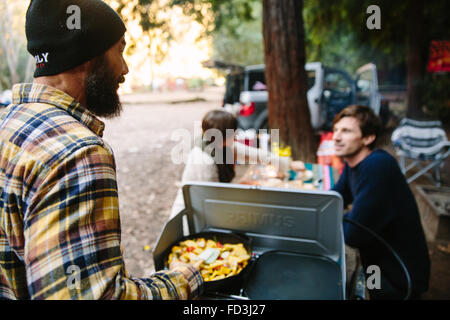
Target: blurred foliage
column 327, row 21
column 16, row 64
column 145, row 11
column 348, row 15
column 235, row 26
column 23, row 68
column 243, row 44
column 437, row 96
column 337, row 34
column 150, row 15
column 218, row 14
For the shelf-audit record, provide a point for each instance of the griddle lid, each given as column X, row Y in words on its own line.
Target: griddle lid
column 281, row 275
column 297, row 220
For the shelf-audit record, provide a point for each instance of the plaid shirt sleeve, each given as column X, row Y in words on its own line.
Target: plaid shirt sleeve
column 72, row 238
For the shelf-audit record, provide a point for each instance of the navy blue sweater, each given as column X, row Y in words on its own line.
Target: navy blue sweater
column 383, row 202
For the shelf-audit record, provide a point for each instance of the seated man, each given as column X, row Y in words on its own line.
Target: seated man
column 383, row 202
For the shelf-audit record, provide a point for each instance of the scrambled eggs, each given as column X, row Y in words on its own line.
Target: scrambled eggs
column 217, row 261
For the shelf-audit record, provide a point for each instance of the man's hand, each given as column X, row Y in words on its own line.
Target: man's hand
column 176, row 263
column 192, row 275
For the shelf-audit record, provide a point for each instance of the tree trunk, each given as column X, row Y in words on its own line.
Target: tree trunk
column 416, row 56
column 284, row 48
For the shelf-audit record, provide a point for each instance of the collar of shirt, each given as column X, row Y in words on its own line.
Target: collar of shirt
column 39, row 93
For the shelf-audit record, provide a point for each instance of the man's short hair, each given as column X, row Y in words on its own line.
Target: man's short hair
column 369, row 122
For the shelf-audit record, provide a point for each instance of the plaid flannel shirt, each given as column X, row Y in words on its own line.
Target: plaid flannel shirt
column 59, row 223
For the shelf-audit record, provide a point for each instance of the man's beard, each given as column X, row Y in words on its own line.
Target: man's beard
column 101, row 90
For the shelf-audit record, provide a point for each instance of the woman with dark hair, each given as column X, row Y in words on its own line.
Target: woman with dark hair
column 221, row 121
column 214, row 156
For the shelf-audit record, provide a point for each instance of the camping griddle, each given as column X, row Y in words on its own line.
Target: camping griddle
column 296, row 237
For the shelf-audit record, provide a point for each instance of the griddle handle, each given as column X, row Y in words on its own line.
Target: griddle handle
column 383, row 242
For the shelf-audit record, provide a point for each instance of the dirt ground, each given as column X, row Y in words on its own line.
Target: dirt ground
column 148, row 180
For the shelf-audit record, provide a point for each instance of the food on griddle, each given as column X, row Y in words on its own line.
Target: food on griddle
column 297, row 165
column 217, row 260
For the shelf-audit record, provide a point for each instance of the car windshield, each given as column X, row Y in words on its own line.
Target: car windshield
column 257, row 81
column 234, row 86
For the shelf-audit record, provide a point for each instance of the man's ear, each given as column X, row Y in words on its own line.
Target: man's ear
column 87, row 66
column 84, row 68
column 367, row 140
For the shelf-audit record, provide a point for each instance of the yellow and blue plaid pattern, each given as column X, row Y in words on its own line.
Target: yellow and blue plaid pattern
column 59, row 216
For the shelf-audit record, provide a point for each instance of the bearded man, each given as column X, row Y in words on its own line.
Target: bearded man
column 382, row 201
column 59, row 211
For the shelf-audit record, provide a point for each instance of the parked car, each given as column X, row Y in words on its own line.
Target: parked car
column 329, row 91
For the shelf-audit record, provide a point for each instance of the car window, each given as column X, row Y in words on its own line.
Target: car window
column 365, row 82
column 311, row 78
column 337, row 82
column 256, row 80
column 234, row 86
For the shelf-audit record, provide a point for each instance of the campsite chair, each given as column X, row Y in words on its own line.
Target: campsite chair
column 425, row 144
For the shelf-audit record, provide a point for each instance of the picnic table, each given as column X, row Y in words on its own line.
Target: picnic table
column 326, row 175
column 316, row 176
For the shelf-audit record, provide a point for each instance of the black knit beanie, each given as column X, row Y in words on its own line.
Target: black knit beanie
column 63, row 34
